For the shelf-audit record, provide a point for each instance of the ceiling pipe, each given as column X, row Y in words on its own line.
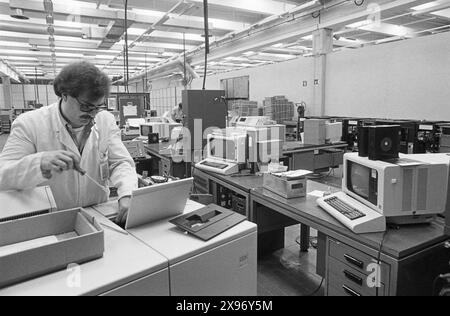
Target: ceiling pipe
column 309, row 5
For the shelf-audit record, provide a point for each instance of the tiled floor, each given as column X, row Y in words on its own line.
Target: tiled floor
column 288, row 272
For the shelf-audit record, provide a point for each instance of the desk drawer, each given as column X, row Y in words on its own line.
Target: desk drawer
column 356, row 259
column 343, row 277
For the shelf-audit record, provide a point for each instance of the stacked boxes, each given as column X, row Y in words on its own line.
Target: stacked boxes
column 279, row 109
column 243, row 107
column 5, row 123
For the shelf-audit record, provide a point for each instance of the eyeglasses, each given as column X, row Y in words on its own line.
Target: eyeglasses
column 91, row 108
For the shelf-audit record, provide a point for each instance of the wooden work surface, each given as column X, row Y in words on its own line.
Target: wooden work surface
column 398, row 243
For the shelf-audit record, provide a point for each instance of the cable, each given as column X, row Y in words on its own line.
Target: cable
column 205, row 13
column 317, row 290
column 184, row 61
column 379, row 259
column 127, row 73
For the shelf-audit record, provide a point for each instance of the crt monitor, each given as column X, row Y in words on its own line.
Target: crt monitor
column 146, row 130
column 231, row 148
column 410, row 190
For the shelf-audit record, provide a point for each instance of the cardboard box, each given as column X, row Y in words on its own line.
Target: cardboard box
column 289, row 189
column 39, row 245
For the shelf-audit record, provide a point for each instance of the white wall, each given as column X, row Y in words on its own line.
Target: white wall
column 278, row 79
column 46, row 94
column 407, row 79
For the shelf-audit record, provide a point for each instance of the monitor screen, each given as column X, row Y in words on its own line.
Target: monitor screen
column 362, row 181
column 223, row 148
column 146, row 130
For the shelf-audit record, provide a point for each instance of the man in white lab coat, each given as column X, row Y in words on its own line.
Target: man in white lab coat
column 56, row 145
column 177, row 113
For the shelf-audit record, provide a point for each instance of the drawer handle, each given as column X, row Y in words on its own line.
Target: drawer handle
column 350, row 292
column 354, row 261
column 354, row 278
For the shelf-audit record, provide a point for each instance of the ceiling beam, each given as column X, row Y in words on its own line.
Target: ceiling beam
column 334, row 17
column 109, row 15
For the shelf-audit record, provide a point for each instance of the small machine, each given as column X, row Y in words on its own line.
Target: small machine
column 252, row 121
column 208, row 222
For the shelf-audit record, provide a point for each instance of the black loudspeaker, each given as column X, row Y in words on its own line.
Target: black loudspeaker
column 153, row 138
column 363, row 141
column 384, row 142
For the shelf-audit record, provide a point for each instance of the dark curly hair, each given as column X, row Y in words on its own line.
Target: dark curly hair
column 82, row 77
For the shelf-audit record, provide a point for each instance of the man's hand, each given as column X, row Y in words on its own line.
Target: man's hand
column 124, row 206
column 58, row 161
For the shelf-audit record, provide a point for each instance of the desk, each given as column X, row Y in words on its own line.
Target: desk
column 165, row 163
column 225, row 265
column 411, row 257
column 128, row 267
column 234, row 193
column 226, row 188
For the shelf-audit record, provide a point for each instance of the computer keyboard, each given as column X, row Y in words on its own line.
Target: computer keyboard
column 343, row 208
column 214, row 165
column 353, row 214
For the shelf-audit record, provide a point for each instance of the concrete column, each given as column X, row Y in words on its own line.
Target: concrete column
column 322, row 45
column 7, row 94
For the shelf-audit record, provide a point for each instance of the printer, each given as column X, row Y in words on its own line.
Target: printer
column 22, row 204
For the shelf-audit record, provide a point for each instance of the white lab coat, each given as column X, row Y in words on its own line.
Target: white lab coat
column 43, row 130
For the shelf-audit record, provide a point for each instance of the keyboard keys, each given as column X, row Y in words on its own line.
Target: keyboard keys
column 345, row 209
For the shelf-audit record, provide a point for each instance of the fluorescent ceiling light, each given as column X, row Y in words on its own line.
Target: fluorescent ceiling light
column 344, row 39
column 308, row 37
column 250, row 53
column 158, row 14
column 19, row 58
column 443, row 13
column 76, row 4
column 359, row 24
column 427, row 5
column 303, row 6
column 13, row 44
column 279, row 45
column 260, row 6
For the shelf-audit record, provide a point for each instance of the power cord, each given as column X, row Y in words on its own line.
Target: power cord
column 317, row 290
column 379, row 259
